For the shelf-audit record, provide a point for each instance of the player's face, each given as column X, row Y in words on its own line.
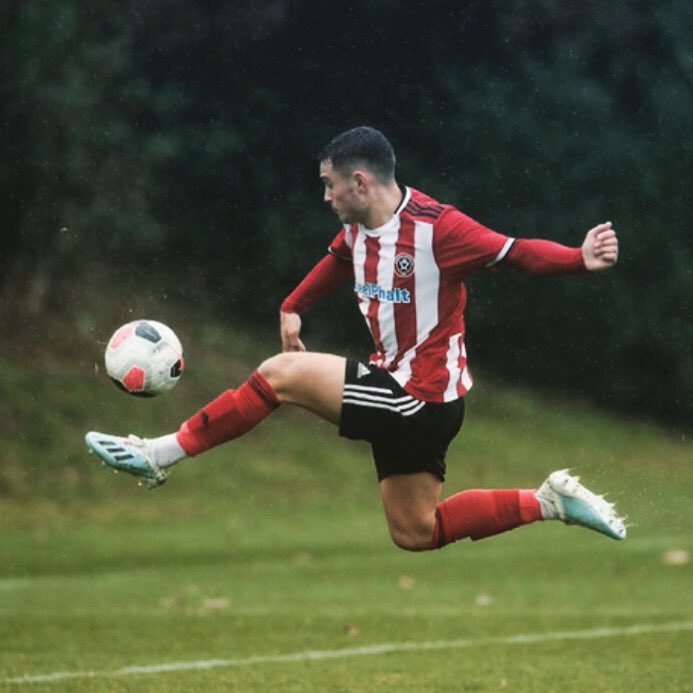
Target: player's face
column 342, row 194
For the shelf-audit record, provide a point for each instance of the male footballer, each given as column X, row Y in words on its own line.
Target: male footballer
column 407, row 257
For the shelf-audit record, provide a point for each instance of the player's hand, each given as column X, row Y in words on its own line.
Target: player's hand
column 290, row 329
column 600, row 248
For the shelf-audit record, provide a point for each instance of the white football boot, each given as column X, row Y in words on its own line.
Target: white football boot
column 576, row 505
column 132, row 455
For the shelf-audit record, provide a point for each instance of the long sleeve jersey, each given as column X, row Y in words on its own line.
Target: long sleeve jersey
column 408, row 278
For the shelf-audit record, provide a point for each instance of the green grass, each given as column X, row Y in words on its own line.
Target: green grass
column 276, row 545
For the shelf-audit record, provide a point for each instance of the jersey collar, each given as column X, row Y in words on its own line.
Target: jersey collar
column 392, row 223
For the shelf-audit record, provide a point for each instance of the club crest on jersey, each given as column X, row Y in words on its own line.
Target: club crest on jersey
column 404, row 265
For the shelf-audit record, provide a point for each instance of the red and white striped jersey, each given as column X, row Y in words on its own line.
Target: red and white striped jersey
column 409, row 284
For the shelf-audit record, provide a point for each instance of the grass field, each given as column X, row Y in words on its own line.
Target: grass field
column 266, row 565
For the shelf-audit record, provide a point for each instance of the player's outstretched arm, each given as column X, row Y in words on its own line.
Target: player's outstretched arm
column 600, row 247
column 290, row 329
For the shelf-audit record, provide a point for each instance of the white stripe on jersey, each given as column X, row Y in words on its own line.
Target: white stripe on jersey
column 385, row 279
column 467, row 381
column 501, row 256
column 427, row 274
column 466, row 377
column 453, row 366
column 359, row 260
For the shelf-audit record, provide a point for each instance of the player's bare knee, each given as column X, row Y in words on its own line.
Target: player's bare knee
column 279, row 371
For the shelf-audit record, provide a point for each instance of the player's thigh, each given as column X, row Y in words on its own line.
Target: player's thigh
column 410, row 502
column 307, row 379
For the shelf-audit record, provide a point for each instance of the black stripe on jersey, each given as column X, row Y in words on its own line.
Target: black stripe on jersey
column 414, row 203
column 428, row 215
column 429, row 211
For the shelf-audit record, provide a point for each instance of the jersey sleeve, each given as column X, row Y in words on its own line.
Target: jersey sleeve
column 464, row 246
column 548, row 258
column 326, row 277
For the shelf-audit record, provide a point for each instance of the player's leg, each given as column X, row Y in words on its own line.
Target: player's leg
column 409, row 451
column 480, row 513
column 310, row 380
column 418, row 521
column 410, row 461
column 410, row 502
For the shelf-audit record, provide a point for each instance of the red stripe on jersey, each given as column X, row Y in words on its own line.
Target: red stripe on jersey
column 451, row 304
column 440, row 356
column 371, row 277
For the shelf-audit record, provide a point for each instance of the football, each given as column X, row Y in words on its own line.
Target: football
column 144, row 358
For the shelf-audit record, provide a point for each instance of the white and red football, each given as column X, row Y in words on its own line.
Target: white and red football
column 144, row 358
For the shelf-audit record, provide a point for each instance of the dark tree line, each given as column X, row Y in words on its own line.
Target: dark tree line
column 184, row 133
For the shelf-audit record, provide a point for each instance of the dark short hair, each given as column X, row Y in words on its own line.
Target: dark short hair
column 361, row 146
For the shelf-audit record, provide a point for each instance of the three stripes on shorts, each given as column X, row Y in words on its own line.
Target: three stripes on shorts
column 381, row 398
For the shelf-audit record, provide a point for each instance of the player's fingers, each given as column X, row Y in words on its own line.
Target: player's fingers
column 287, row 341
column 606, row 242
column 291, row 342
column 610, row 256
column 594, row 233
column 602, row 248
column 604, row 235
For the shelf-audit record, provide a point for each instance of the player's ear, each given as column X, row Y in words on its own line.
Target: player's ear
column 361, row 180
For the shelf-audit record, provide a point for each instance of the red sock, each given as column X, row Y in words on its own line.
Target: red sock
column 480, row 514
column 230, row 415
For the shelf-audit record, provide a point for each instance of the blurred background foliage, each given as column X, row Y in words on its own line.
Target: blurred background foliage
column 178, row 138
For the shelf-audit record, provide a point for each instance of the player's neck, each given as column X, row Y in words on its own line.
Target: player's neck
column 385, row 202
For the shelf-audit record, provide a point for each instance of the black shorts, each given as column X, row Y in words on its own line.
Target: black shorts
column 406, row 435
